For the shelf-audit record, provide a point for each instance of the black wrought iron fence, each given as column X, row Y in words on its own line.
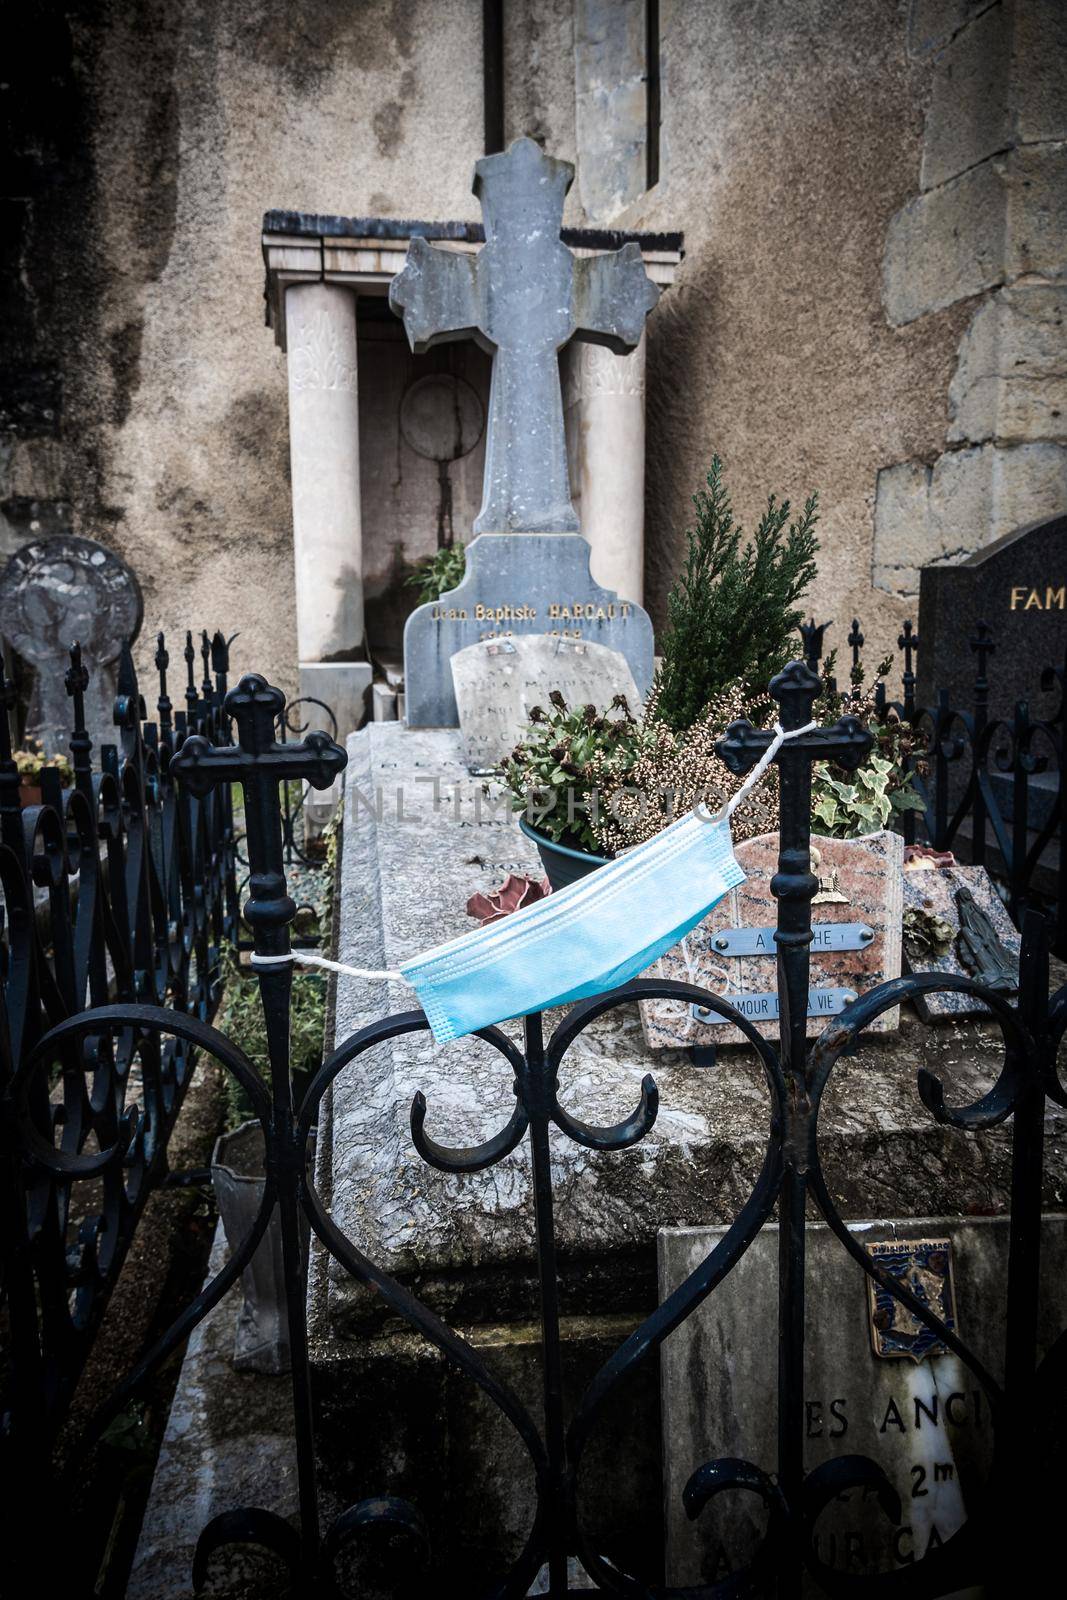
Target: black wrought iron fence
column 119, row 889
column 976, row 773
column 93, row 1135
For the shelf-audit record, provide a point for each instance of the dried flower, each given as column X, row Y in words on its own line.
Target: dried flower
column 515, row 892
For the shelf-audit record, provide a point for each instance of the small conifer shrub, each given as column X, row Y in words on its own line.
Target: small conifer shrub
column 734, row 610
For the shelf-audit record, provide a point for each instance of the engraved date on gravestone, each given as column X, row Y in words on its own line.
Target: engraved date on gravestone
column 760, row 941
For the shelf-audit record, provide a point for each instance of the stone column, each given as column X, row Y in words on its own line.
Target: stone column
column 320, row 323
column 605, row 416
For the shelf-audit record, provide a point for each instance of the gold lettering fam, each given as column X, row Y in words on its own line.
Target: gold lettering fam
column 1024, row 599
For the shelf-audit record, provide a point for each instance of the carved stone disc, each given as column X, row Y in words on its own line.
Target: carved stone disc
column 441, row 417
column 56, row 591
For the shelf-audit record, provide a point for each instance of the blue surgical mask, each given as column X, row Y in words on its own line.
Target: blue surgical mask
column 583, row 940
column 591, row 936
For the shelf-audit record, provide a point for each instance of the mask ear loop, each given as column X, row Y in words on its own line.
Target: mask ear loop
column 727, row 809
column 304, row 958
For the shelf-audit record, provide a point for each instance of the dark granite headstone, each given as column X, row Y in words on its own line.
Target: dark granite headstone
column 1019, row 587
column 61, row 591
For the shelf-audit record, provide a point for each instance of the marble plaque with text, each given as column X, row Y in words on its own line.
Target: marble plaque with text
column 499, row 681
column 516, row 584
column 916, row 1411
column 856, row 915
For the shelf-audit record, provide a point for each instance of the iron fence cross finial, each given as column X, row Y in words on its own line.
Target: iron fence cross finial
column 76, row 681
column 814, row 636
column 846, row 744
column 522, row 298
column 259, row 764
column 984, row 645
column 163, row 704
column 191, row 700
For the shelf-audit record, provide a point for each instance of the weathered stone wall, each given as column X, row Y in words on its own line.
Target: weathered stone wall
column 148, row 395
column 870, row 304
column 792, row 135
column 987, row 231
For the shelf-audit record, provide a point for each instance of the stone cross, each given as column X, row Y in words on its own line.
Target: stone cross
column 259, row 764
column 52, row 592
column 522, row 298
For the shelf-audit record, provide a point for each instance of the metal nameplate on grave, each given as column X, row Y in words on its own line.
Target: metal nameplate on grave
column 925, row 1267
column 764, row 1007
column 856, row 930
column 760, row 941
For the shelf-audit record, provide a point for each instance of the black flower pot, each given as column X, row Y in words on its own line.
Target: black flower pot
column 563, row 863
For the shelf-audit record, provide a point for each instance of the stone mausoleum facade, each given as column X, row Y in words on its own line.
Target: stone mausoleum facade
column 857, row 208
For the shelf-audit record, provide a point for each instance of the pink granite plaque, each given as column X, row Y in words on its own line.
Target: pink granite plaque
column 856, row 915
column 934, row 893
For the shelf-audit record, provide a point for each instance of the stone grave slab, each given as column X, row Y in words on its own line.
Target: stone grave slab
column 961, row 899
column 55, row 592
column 923, row 1418
column 228, row 1442
column 499, row 682
column 857, row 917
column 516, row 584
column 1018, row 585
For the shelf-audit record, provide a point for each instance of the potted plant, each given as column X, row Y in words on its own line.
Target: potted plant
column 556, row 774
column 31, row 762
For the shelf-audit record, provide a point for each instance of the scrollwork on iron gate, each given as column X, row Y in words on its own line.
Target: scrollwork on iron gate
column 790, row 1179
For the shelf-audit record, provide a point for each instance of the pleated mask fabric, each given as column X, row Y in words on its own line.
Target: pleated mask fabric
column 591, row 936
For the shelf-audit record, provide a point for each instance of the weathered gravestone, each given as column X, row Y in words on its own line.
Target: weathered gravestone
column 875, row 1385
column 58, row 592
column 498, row 683
column 1018, row 586
column 857, row 919
column 523, row 297
column 516, row 584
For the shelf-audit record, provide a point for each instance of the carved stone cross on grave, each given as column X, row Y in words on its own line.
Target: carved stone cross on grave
column 522, row 298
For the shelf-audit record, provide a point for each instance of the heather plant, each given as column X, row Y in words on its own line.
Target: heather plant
column 673, row 772
column 734, row 610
